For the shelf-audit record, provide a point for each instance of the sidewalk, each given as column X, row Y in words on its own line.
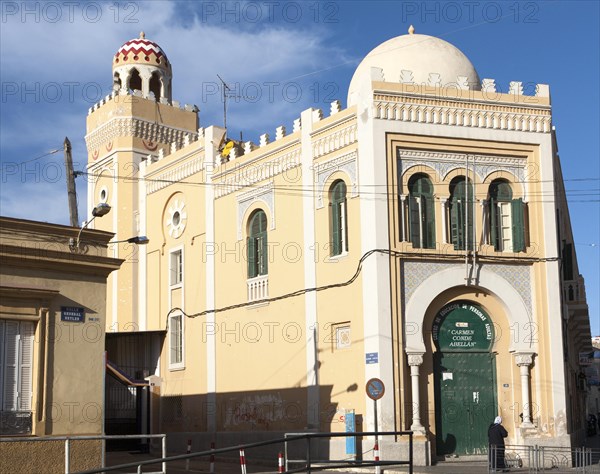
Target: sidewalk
column 232, row 466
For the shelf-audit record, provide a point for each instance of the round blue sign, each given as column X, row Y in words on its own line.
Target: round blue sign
column 375, row 389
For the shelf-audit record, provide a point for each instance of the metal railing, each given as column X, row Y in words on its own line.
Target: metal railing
column 103, row 438
column 310, row 462
column 535, row 459
column 309, row 466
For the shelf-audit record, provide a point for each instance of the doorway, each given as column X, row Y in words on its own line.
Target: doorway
column 464, row 379
column 465, row 401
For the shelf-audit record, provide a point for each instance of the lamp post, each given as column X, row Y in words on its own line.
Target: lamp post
column 100, row 210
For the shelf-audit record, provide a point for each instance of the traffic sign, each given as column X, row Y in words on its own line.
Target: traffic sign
column 375, row 389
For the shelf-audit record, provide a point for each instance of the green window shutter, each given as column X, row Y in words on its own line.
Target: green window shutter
column 469, row 230
column 494, row 223
column 414, row 222
column 457, row 226
column 338, row 218
column 518, row 225
column 251, row 246
column 344, row 216
column 429, row 221
column 335, row 228
column 264, row 254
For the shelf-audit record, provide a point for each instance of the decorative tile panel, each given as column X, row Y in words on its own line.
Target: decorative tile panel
column 444, row 162
column 518, row 276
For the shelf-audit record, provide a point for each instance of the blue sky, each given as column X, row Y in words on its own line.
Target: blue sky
column 281, row 58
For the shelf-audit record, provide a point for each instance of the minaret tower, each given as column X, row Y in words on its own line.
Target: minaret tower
column 124, row 130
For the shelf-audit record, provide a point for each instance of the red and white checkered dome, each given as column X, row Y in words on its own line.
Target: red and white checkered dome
column 141, row 51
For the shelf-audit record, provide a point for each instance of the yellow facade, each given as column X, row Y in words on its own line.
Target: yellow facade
column 60, row 388
column 277, row 300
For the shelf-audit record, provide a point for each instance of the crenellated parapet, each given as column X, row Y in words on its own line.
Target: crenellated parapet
column 128, row 96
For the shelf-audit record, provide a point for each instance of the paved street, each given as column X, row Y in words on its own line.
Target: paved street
column 454, row 466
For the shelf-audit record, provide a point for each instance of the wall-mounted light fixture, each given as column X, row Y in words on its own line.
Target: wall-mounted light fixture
column 100, row 210
column 139, row 240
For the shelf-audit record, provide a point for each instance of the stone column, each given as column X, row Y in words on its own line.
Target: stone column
column 415, row 360
column 524, row 361
column 444, row 203
column 402, row 220
column 485, row 228
column 145, row 75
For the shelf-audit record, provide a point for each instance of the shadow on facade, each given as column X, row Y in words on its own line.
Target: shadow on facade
column 232, row 418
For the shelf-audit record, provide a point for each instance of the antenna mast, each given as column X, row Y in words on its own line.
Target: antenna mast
column 225, row 90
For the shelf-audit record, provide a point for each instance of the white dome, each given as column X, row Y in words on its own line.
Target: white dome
column 420, row 54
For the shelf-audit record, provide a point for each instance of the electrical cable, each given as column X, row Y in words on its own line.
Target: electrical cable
column 352, row 279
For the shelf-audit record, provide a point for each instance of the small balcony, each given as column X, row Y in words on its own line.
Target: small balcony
column 258, row 288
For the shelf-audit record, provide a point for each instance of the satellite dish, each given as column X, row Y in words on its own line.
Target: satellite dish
column 227, row 149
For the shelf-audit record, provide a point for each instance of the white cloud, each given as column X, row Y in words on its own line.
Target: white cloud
column 39, row 54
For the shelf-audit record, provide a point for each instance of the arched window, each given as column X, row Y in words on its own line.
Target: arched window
column 135, row 80
column 258, row 256
column 507, row 218
column 155, row 85
column 461, row 213
column 421, row 212
column 338, row 218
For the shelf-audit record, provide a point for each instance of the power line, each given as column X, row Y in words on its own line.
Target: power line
column 352, row 279
column 298, row 190
column 51, row 152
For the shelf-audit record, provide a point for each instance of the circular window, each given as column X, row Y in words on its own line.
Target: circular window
column 176, row 218
column 103, row 194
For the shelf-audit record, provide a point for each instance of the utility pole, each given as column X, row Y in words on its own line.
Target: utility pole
column 72, row 194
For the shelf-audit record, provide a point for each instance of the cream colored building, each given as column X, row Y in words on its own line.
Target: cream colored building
column 52, row 326
column 420, row 236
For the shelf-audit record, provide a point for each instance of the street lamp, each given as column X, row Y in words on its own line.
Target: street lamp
column 139, row 240
column 100, row 210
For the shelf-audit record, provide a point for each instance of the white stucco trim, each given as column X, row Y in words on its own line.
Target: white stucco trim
column 375, row 277
column 142, row 280
column 310, row 276
column 553, row 279
column 115, row 251
column 212, row 135
column 416, row 307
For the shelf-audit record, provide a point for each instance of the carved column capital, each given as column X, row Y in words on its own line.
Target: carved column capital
column 415, row 359
column 524, row 359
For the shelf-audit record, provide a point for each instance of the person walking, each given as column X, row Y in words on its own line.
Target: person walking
column 496, row 435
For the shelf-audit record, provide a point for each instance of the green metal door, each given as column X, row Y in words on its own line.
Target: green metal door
column 465, row 396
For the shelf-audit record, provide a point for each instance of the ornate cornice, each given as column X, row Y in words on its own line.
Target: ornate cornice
column 135, row 127
column 243, row 176
column 466, row 114
column 176, row 174
column 335, row 140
